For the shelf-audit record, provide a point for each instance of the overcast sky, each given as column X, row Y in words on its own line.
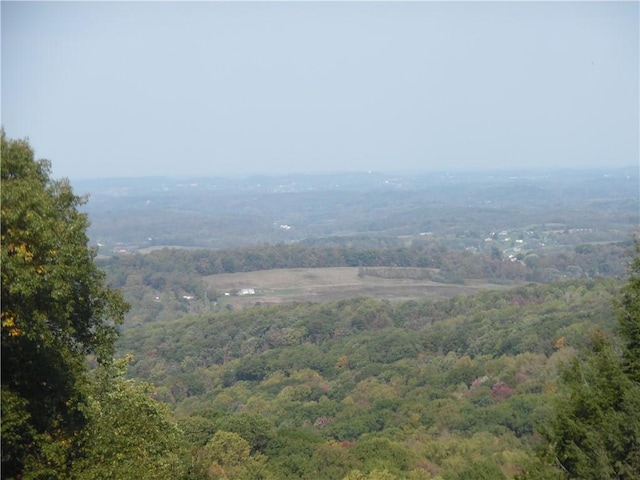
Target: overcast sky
column 219, row 88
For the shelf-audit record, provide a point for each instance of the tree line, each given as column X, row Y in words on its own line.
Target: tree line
column 583, row 261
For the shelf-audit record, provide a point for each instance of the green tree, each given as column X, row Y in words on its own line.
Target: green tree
column 483, row 470
column 223, row 452
column 373, row 475
column 128, row 434
column 333, row 460
column 55, row 311
column 596, row 430
column 197, row 429
column 257, row 431
column 383, row 454
column 291, row 453
column 629, row 319
column 227, row 455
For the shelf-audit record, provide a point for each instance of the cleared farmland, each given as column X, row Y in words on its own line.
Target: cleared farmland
column 326, row 284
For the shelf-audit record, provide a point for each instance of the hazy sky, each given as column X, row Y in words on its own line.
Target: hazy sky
column 218, row 88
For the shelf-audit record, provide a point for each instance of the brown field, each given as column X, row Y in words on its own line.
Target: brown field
column 326, row 284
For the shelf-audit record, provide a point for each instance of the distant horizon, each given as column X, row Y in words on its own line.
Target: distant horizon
column 133, row 89
column 408, row 173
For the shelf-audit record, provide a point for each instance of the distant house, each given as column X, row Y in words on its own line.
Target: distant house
column 247, row 291
column 188, row 297
column 125, row 249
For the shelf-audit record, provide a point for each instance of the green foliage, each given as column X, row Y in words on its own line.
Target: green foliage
column 55, row 310
column 333, row 460
column 483, row 470
column 442, row 404
column 254, row 429
column 224, row 451
column 291, row 453
column 596, row 429
column 356, row 389
column 372, row 475
column 629, row 319
column 197, row 430
column 17, row 431
column 378, row 453
column 128, row 435
column 156, row 282
column 452, row 388
column 227, row 455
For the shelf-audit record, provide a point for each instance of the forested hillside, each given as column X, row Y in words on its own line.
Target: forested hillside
column 455, row 383
column 520, row 366
column 431, row 389
column 320, row 240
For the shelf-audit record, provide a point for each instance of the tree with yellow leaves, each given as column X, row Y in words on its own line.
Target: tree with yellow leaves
column 55, row 311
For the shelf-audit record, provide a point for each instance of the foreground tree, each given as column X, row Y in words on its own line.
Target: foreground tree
column 55, row 311
column 629, row 320
column 595, row 433
column 128, row 435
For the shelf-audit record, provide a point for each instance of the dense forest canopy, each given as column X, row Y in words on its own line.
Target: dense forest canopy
column 435, row 381
column 523, row 366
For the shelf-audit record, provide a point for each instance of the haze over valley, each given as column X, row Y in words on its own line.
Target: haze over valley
column 320, row 240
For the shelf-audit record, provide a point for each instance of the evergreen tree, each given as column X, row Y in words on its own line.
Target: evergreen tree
column 597, row 424
column 595, row 432
column 629, row 319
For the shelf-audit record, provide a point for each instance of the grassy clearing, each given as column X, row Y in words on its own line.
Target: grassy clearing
column 327, row 284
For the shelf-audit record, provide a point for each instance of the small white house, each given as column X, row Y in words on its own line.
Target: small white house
column 247, row 291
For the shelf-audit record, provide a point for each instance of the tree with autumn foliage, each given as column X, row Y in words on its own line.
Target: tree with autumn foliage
column 55, row 311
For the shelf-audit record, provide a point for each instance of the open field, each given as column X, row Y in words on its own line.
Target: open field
column 326, row 284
